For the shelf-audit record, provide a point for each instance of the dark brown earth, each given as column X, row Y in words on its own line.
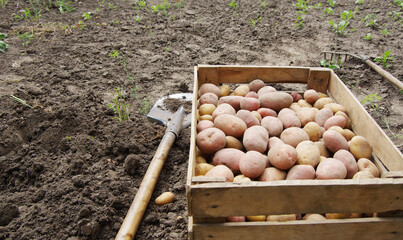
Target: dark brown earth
column 69, row 168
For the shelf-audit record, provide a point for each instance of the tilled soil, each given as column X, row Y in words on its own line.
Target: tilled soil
column 69, row 168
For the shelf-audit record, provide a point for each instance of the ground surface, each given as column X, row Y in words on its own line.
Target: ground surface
column 69, row 169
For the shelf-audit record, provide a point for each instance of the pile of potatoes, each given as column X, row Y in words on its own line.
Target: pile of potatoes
column 257, row 133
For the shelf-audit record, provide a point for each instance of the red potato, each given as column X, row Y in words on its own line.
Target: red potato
column 210, row 140
column 223, row 108
column 255, row 138
column 289, row 118
column 272, row 174
column 203, row 124
column 296, row 96
column 365, row 164
column 274, row 141
column 308, row 153
column 209, row 87
column 264, row 112
column 234, row 101
column 250, row 104
column 209, row 97
column 241, row 90
column 273, row 125
column 331, row 168
column 248, row 117
column 252, row 94
column 311, row 96
column 229, row 157
column 230, row 125
column 348, row 160
column 255, row 85
column 299, row 172
column 221, row 171
column 252, row 164
column 335, row 121
column 334, row 141
column 275, row 100
column 343, row 114
column 306, row 115
column 322, row 115
column 360, row 147
column 293, row 136
column 236, row 219
column 265, row 89
column 282, row 156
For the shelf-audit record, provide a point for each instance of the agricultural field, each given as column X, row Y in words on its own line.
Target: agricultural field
column 77, row 79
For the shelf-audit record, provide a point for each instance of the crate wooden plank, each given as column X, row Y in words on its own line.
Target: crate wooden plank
column 318, row 79
column 365, row 125
column 296, row 196
column 345, row 229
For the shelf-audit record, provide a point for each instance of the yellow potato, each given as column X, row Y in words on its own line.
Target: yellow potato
column 165, row 198
column 206, row 109
column 304, row 103
column 242, row 178
column 200, row 159
column 232, row 142
column 202, row 168
column 206, row 117
column 241, row 90
column 225, row 90
column 281, row 218
column 313, row 130
column 257, row 218
column 336, row 215
column 314, row 217
column 335, row 107
column 257, row 115
column 348, row 121
column 321, row 102
column 308, row 153
column 360, row 147
column 348, row 134
column 322, row 95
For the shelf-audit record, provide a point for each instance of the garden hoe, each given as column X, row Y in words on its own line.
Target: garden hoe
column 339, row 56
column 175, row 122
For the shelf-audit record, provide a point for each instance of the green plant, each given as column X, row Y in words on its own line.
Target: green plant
column 114, row 54
column 329, row 11
column 65, row 6
column 26, row 36
column 368, row 36
column 342, row 25
column 369, row 20
column 138, row 18
column 164, row 6
column 371, row 99
column 398, row 3
column 325, row 63
column 263, row 4
column 254, row 21
column 110, row 5
column 145, row 106
column 141, row 4
column 384, row 59
column 359, row 2
column 233, row 4
column 23, row 102
column 3, row 3
column 299, row 23
column 119, row 106
column 396, row 16
column 385, row 32
column 331, row 3
column 302, row 5
column 87, row 15
column 178, row 4
column 3, row 45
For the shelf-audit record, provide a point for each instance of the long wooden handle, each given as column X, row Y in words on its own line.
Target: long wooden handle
column 385, row 74
column 134, row 215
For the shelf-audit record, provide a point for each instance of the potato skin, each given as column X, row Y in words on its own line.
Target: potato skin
column 223, row 108
column 232, row 142
column 365, row 164
column 363, row 175
column 203, row 124
column 272, row 174
column 313, row 131
column 311, row 96
column 348, row 160
column 321, row 102
column 360, row 147
column 252, row 164
column 335, row 107
column 331, row 168
column 256, row 138
column 234, row 101
column 229, row 157
column 225, row 90
column 210, row 140
column 306, row 115
column 209, row 87
column 274, row 141
column 236, row 219
column 230, row 125
column 252, row 94
column 334, row 141
column 206, row 109
column 241, row 90
column 221, row 171
column 322, row 115
column 282, row 156
column 289, row 118
column 299, row 172
column 335, row 121
column 265, row 89
column 296, row 96
column 248, row 117
column 308, row 153
column 343, row 114
column 322, row 148
column 273, row 125
column 281, row 218
column 275, row 100
column 314, row 217
column 293, row 136
column 264, row 112
column 255, row 85
column 209, row 97
column 250, row 104
column 202, row 168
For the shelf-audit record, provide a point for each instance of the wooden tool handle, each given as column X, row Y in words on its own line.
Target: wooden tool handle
column 385, row 74
column 134, row 215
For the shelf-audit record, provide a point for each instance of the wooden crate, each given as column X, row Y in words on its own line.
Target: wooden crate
column 211, row 200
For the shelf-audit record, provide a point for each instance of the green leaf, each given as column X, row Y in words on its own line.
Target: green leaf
column 3, row 36
column 3, row 46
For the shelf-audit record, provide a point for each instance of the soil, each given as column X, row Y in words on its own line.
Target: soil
column 70, row 168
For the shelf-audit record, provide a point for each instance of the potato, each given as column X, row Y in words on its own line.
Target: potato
column 304, row 103
column 165, row 198
column 322, row 115
column 223, row 108
column 321, row 102
column 257, row 218
column 230, row 125
column 308, row 153
column 322, row 95
column 331, row 168
column 241, row 90
column 206, row 109
column 281, row 218
column 282, row 156
column 208, row 98
column 293, row 136
column 255, row 85
column 252, row 94
column 306, row 115
column 338, row 129
column 289, row 118
column 265, row 89
column 206, row 117
column 313, row 217
column 221, row 171
column 272, row 174
column 232, row 142
column 225, row 90
column 273, row 125
column 229, row 157
column 348, row 160
column 311, row 96
column 335, row 121
column 255, row 138
column 322, row 148
column 363, row 175
column 343, row 114
column 203, row 124
column 296, row 96
column 295, row 107
column 251, row 104
column 335, row 107
column 234, row 101
column 275, row 100
column 264, row 112
column 209, row 87
column 257, row 115
column 348, row 134
column 299, row 172
column 210, row 140
column 274, row 141
column 360, row 147
column 313, row 131
column 365, row 164
column 336, row 215
column 354, row 215
column 200, row 159
column 202, row 168
column 236, row 219
column 334, row 141
column 248, row 117
column 241, row 178
column 252, row 164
